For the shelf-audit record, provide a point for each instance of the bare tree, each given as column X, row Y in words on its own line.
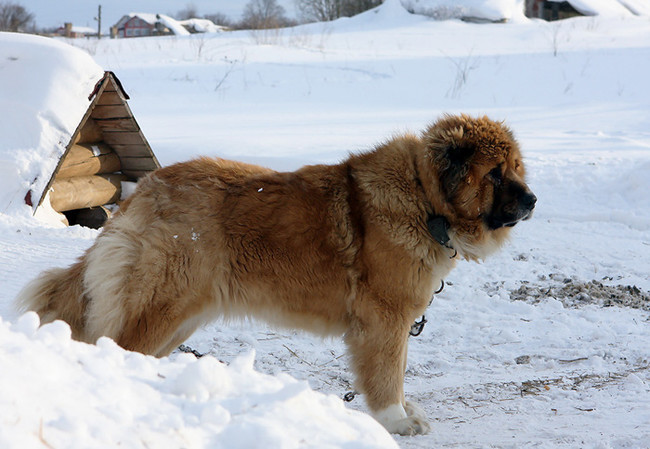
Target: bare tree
column 263, row 14
column 219, row 19
column 320, row 10
column 14, row 17
column 189, row 12
column 354, row 7
column 326, row 10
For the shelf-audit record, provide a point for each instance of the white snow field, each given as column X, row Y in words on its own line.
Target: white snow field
column 545, row 345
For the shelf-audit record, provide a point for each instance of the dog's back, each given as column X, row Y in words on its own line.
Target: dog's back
column 209, row 238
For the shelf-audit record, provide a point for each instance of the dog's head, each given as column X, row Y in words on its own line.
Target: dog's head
column 479, row 173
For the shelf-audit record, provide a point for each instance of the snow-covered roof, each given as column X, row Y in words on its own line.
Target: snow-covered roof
column 601, row 7
column 202, row 25
column 45, row 86
column 84, row 30
column 513, row 10
column 152, row 19
column 81, row 29
column 488, row 10
column 173, row 24
column 638, row 7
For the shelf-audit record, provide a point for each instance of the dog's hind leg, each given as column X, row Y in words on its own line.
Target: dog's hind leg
column 141, row 290
column 161, row 326
column 379, row 356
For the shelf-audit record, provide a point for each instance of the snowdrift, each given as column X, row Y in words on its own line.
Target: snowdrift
column 480, row 10
column 65, row 394
column 45, row 88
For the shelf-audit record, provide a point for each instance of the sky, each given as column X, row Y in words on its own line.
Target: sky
column 49, row 13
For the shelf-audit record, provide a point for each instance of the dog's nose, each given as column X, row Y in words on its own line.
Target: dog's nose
column 528, row 201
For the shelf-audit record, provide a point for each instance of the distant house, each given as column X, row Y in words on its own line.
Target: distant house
column 70, row 30
column 145, row 24
column 564, row 9
column 550, row 10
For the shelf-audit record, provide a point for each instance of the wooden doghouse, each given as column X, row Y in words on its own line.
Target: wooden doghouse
column 106, row 149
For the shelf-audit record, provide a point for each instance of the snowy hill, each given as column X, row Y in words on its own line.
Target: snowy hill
column 543, row 345
column 53, row 14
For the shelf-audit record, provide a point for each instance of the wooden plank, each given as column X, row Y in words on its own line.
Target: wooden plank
column 118, row 124
column 123, row 138
column 110, row 99
column 117, row 111
column 138, row 163
column 90, row 132
column 87, row 160
column 138, row 150
column 85, row 191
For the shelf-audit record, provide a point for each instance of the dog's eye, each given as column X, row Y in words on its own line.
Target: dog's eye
column 495, row 175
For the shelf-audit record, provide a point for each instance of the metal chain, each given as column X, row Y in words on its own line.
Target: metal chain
column 187, row 349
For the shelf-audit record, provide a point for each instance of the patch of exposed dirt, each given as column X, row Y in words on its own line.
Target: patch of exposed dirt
column 574, row 293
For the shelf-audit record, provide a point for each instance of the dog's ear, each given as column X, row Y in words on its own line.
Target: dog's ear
column 457, row 154
column 451, row 148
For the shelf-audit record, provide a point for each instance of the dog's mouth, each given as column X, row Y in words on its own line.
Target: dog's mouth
column 495, row 224
column 511, row 224
column 508, row 220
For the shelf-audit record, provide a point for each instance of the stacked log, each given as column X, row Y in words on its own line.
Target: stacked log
column 87, row 177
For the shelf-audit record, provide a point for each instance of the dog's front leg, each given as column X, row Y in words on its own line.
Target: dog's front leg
column 379, row 359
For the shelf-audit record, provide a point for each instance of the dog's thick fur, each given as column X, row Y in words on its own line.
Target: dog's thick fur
column 341, row 249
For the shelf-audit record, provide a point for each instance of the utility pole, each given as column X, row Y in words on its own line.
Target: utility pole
column 99, row 22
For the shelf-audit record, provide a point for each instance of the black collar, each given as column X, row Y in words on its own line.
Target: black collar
column 438, row 227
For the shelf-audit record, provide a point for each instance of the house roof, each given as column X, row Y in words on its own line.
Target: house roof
column 202, row 25
column 608, row 7
column 152, row 19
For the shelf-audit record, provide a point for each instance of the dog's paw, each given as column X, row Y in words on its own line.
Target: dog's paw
column 409, row 420
column 413, row 409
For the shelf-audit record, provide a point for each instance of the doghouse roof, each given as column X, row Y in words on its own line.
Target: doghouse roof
column 119, row 129
column 44, row 95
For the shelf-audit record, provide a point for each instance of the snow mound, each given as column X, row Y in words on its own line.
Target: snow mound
column 389, row 11
column 481, row 10
column 173, row 24
column 62, row 393
column 45, row 87
column 600, row 8
column 638, row 7
column 202, row 25
column 390, row 14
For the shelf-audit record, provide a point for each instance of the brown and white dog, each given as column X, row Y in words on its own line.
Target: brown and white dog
column 353, row 249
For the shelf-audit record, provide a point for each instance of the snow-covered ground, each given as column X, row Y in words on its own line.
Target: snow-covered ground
column 528, row 349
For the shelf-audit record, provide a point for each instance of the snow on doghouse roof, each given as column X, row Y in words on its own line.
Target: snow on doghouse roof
column 44, row 86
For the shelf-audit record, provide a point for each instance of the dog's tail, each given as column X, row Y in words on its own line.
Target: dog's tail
column 57, row 294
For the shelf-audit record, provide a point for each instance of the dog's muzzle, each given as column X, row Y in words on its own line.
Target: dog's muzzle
column 521, row 209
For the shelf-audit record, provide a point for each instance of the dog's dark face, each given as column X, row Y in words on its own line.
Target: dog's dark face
column 512, row 199
column 481, row 176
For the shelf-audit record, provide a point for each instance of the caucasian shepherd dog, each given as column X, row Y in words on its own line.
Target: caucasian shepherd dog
column 353, row 249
